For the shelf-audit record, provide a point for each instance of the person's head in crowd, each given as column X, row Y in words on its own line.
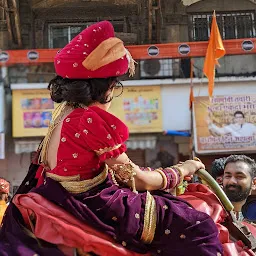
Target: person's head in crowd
column 217, row 169
column 249, row 208
column 239, row 179
column 4, row 190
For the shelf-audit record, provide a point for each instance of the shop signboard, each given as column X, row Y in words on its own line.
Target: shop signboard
column 140, row 108
column 31, row 112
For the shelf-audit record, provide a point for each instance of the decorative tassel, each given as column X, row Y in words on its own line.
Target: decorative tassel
column 132, row 63
column 181, row 188
column 134, row 186
column 57, row 115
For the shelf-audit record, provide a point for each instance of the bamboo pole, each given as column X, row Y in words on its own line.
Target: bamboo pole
column 150, row 20
column 158, row 21
column 8, row 21
column 17, row 22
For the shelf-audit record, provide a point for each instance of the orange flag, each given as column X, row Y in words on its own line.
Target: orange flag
column 191, row 96
column 215, row 51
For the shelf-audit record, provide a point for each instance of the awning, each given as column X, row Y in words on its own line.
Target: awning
column 25, row 146
column 134, row 142
column 141, row 142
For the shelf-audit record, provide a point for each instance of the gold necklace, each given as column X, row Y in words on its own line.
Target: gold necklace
column 57, row 116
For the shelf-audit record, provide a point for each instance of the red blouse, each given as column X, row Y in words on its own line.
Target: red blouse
column 88, row 137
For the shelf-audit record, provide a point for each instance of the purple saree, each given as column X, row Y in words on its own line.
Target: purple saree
column 120, row 213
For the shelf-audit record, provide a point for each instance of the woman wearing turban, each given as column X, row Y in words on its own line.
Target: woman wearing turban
column 86, row 176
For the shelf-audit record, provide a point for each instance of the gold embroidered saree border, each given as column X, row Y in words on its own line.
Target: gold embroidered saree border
column 150, row 217
column 76, row 186
column 107, row 149
column 62, row 178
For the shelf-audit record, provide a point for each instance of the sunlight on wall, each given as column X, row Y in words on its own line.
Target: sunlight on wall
column 189, row 2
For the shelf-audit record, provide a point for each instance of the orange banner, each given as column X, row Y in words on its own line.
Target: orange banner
column 215, row 51
column 139, row 52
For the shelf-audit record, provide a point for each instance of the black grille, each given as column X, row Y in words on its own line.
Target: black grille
column 232, row 25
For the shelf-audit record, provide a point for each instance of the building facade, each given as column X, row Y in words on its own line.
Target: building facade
column 50, row 24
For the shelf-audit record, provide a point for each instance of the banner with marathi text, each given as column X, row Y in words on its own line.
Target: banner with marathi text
column 225, row 124
column 32, row 112
column 140, row 108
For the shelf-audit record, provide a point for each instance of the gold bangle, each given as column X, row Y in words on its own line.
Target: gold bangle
column 181, row 174
column 164, row 178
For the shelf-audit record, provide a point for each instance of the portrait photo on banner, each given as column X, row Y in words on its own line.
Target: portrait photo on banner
column 224, row 123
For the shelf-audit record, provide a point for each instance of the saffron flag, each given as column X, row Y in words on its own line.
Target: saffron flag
column 215, row 51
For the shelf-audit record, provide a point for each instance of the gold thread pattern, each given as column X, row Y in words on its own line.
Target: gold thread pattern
column 73, row 185
column 62, row 178
column 107, row 149
column 150, row 218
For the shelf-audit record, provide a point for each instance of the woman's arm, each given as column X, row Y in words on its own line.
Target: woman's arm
column 152, row 180
column 144, row 180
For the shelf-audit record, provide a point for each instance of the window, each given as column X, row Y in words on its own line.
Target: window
column 60, row 34
column 232, row 25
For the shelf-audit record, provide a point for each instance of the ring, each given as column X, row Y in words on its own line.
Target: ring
column 197, row 159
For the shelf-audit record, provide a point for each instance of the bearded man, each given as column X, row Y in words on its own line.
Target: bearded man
column 239, row 180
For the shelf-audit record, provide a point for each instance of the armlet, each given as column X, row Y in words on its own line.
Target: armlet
column 123, row 173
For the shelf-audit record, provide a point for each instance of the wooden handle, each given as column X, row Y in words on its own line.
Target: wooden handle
column 204, row 175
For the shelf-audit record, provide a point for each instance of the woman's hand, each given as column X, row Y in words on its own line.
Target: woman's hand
column 189, row 167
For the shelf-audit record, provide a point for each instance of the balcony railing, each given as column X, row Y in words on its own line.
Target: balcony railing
column 232, row 25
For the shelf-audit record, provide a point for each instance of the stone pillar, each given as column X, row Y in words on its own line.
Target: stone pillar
column 172, row 33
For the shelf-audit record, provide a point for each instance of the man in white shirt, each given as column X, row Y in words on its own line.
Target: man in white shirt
column 238, row 129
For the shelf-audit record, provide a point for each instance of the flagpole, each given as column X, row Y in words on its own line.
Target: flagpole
column 191, row 100
column 191, row 95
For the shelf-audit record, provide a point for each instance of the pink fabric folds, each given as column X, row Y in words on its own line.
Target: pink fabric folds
column 203, row 199
column 61, row 228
